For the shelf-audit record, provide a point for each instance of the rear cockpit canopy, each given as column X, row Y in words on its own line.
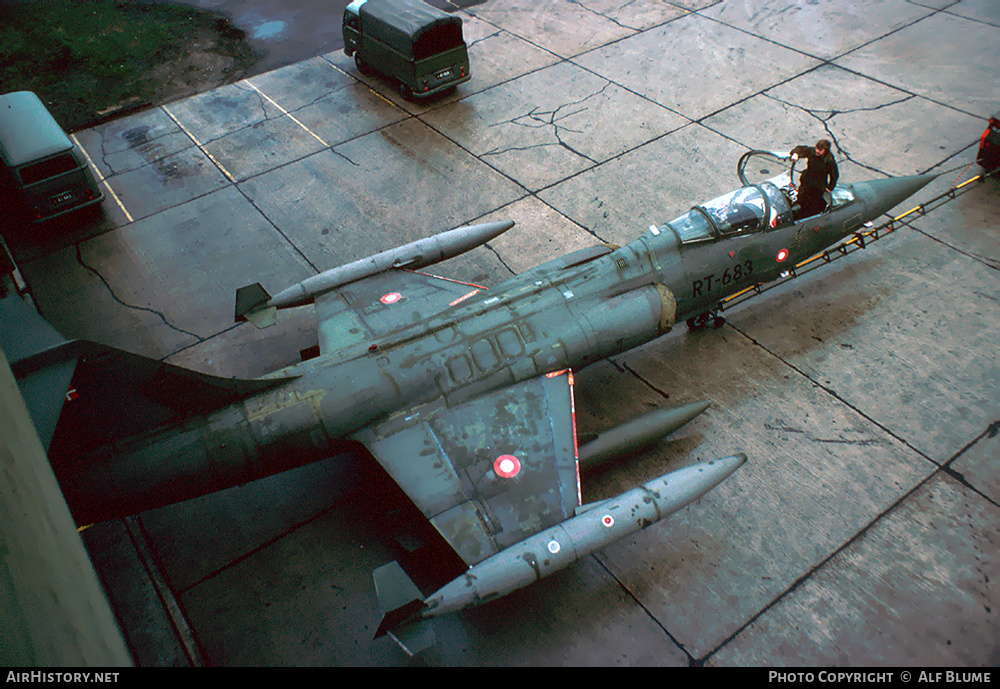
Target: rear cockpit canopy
column 738, row 212
column 766, row 202
column 750, row 209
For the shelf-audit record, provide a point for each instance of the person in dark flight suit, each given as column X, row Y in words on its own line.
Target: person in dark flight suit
column 821, row 175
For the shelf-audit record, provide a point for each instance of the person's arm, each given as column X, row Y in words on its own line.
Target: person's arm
column 800, row 152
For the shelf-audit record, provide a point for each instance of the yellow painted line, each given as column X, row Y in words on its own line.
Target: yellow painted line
column 338, row 69
column 348, row 74
column 101, row 179
column 198, row 144
column 288, row 114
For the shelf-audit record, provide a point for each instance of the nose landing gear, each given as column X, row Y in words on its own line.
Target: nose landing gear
column 704, row 320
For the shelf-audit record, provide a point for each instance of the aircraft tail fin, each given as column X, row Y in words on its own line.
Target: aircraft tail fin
column 83, row 394
column 251, row 305
column 401, row 603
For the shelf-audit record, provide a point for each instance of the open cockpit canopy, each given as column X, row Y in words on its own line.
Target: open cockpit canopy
column 779, row 170
column 749, row 209
column 766, row 202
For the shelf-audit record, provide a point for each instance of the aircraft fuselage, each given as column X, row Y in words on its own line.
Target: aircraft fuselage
column 566, row 313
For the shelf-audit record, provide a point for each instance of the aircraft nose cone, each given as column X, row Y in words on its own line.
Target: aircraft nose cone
column 883, row 195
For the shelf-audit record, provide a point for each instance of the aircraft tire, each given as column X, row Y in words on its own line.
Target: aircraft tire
column 699, row 322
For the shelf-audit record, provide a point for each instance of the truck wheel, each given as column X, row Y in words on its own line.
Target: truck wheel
column 405, row 91
column 363, row 66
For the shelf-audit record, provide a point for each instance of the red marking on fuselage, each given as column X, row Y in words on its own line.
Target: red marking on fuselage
column 507, row 466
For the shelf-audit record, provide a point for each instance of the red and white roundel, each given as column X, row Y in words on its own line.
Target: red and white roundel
column 782, row 255
column 608, row 520
column 391, row 298
column 506, row 466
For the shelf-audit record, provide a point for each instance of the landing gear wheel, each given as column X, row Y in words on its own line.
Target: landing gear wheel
column 703, row 320
column 699, row 322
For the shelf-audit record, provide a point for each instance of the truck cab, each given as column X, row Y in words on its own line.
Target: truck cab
column 418, row 46
column 43, row 174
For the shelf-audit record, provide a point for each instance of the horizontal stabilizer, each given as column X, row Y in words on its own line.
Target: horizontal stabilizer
column 24, row 333
column 252, row 305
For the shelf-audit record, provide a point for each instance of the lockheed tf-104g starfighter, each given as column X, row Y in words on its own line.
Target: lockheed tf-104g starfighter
column 463, row 395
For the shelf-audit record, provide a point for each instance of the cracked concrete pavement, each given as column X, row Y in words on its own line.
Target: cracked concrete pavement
column 863, row 529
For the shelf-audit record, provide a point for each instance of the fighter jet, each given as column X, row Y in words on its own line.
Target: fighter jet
column 463, row 395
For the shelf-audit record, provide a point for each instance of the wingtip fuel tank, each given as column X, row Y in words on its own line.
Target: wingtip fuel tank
column 550, row 550
column 253, row 302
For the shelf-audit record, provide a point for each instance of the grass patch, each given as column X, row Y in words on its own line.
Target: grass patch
column 88, row 56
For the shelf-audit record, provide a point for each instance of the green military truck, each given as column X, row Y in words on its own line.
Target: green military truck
column 43, row 174
column 419, row 46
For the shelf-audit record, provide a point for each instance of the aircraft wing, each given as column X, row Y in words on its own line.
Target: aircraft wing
column 383, row 303
column 489, row 472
